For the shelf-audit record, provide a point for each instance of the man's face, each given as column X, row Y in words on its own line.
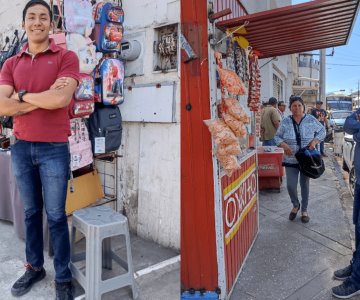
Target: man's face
column 318, row 105
column 282, row 107
column 37, row 23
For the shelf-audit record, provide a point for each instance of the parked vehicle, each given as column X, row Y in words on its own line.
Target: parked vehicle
column 348, row 159
column 339, row 102
column 337, row 119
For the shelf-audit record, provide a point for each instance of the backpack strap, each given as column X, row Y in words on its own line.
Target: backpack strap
column 297, row 132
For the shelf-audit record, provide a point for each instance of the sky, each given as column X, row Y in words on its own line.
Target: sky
column 343, row 69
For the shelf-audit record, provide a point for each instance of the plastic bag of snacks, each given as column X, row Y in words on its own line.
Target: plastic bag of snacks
column 234, row 108
column 236, row 126
column 220, row 132
column 230, row 149
column 229, row 163
column 232, row 82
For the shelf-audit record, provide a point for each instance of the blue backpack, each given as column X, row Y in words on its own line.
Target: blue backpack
column 109, row 82
column 108, row 27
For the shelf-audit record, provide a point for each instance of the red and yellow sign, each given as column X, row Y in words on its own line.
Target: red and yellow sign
column 239, row 199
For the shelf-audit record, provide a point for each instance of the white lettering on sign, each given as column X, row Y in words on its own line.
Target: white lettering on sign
column 266, row 167
column 238, row 201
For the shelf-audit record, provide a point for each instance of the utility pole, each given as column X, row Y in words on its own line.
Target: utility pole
column 322, row 76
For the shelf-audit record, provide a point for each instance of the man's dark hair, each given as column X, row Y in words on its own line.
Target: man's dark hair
column 272, row 101
column 280, row 103
column 37, row 2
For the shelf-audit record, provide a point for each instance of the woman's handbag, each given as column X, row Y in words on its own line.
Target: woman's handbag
column 310, row 161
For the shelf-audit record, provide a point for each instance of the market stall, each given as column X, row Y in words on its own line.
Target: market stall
column 221, row 47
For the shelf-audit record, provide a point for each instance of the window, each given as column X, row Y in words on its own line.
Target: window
column 278, row 88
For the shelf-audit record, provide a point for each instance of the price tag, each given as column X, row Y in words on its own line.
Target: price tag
column 99, row 145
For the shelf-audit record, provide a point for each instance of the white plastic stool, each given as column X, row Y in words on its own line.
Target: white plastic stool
column 98, row 224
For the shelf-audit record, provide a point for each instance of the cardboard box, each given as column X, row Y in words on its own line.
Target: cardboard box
column 87, row 190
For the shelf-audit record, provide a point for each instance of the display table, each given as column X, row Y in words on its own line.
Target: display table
column 11, row 207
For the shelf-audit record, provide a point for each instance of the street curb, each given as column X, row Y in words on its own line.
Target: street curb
column 346, row 199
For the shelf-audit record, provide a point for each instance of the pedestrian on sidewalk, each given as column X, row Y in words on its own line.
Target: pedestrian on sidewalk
column 269, row 122
column 351, row 274
column 36, row 87
column 312, row 132
column 321, row 115
column 281, row 109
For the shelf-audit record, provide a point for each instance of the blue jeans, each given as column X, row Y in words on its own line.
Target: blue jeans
column 322, row 147
column 292, row 178
column 355, row 275
column 269, row 142
column 41, row 171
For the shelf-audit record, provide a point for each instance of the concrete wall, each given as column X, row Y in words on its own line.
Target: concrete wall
column 149, row 171
column 149, row 181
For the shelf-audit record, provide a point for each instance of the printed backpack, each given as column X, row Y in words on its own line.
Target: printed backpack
column 85, row 51
column 109, row 30
column 80, row 146
column 82, row 103
column 78, row 17
column 109, row 82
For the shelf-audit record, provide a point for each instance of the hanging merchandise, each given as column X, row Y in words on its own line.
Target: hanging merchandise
column 254, row 83
column 109, row 82
column 58, row 35
column 108, row 31
column 78, row 17
column 231, row 82
column 80, row 145
column 105, row 128
column 82, row 103
column 85, row 51
column 241, row 63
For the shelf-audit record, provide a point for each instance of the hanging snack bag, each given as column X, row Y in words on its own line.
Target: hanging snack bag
column 229, row 163
column 236, row 126
column 231, row 149
column 231, row 82
column 234, row 108
column 220, row 132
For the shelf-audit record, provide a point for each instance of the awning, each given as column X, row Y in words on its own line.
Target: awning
column 297, row 28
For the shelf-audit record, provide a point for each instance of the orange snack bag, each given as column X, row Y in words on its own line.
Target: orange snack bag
column 220, row 132
column 236, row 126
column 234, row 108
column 229, row 163
column 231, row 82
column 230, row 149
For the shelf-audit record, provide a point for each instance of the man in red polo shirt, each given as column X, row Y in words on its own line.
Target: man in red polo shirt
column 36, row 87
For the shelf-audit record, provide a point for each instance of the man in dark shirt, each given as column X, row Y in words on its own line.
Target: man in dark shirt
column 320, row 114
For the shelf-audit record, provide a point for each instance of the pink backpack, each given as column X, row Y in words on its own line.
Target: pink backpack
column 82, row 103
column 80, row 146
column 78, row 16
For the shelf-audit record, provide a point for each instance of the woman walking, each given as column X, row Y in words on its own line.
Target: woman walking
column 312, row 132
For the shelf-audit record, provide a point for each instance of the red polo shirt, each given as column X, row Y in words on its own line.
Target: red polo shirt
column 36, row 74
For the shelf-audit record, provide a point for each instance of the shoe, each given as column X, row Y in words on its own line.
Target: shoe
column 25, row 282
column 324, row 155
column 64, row 291
column 304, row 217
column 344, row 273
column 293, row 213
column 345, row 290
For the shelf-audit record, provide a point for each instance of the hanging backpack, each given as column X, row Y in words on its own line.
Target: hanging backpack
column 105, row 129
column 109, row 30
column 80, row 145
column 85, row 51
column 109, row 81
column 82, row 103
column 78, row 17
